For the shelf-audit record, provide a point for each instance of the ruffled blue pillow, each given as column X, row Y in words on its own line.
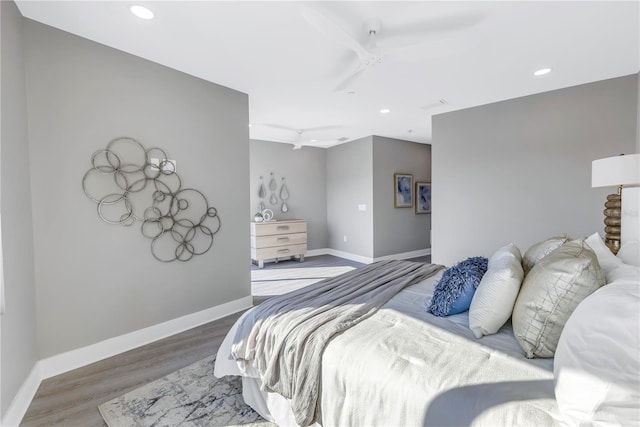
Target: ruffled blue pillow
column 454, row 291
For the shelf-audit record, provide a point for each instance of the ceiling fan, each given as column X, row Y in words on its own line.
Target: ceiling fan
column 299, row 141
column 370, row 54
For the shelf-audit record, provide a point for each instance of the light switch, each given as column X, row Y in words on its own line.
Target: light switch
column 362, row 208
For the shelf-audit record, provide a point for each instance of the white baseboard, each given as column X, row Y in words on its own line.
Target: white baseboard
column 350, row 256
column 368, row 260
column 22, row 399
column 406, row 255
column 64, row 362
column 316, row 252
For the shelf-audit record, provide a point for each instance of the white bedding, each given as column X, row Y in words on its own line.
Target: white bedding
column 403, row 366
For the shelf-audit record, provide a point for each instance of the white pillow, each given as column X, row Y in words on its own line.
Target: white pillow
column 629, row 253
column 625, row 273
column 496, row 294
column 607, row 260
column 596, row 366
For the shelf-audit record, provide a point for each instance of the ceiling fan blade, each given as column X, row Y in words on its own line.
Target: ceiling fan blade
column 408, row 33
column 281, row 127
column 428, row 50
column 321, row 128
column 346, row 83
column 332, row 30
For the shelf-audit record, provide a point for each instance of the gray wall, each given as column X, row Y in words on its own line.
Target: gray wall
column 18, row 323
column 638, row 115
column 520, row 170
column 96, row 280
column 350, row 183
column 305, row 172
column 398, row 230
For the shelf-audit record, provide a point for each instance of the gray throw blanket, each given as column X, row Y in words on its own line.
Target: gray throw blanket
column 284, row 337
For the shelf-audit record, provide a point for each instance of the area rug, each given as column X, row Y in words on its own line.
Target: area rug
column 269, row 282
column 190, row 397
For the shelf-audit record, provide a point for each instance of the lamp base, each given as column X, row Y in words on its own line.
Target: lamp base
column 612, row 221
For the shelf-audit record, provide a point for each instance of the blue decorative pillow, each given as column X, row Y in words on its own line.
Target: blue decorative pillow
column 454, row 291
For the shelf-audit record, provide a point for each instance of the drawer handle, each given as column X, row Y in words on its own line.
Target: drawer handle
column 283, row 227
column 283, row 251
column 283, row 239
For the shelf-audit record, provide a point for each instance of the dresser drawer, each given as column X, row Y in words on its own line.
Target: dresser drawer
column 271, row 228
column 280, row 240
column 278, row 251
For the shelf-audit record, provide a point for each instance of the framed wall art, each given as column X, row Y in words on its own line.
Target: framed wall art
column 403, row 190
column 423, row 197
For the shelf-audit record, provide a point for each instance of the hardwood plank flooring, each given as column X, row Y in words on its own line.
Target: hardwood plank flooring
column 71, row 399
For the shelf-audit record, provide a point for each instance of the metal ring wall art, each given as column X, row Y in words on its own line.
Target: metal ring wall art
column 128, row 186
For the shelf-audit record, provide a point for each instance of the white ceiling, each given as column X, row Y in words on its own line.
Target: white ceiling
column 469, row 53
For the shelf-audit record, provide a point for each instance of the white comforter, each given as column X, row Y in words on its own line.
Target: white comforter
column 404, row 367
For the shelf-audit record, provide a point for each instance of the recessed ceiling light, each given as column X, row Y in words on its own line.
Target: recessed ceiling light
column 249, row 124
column 141, row 12
column 542, row 72
column 314, row 140
column 385, row 111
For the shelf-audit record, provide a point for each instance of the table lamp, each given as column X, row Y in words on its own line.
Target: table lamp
column 615, row 172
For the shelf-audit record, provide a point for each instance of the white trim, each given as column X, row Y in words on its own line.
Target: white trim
column 317, row 252
column 23, row 398
column 368, row 260
column 350, row 256
column 83, row 356
column 406, row 255
column 64, row 362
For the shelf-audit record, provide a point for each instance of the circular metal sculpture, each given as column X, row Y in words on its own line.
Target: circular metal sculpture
column 130, row 183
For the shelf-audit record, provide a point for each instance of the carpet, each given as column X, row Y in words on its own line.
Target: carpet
column 190, row 397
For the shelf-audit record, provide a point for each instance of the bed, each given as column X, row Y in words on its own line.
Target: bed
column 400, row 365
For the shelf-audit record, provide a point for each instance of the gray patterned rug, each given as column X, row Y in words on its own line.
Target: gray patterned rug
column 190, row 397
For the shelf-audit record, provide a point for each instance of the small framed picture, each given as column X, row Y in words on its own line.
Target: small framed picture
column 403, row 193
column 423, row 197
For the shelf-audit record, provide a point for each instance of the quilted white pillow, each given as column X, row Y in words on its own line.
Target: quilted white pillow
column 550, row 293
column 540, row 250
column 493, row 301
column 596, row 366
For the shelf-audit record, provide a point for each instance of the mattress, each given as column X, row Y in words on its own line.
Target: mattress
column 404, row 366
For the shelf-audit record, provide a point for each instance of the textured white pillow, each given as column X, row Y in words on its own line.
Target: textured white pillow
column 550, row 292
column 496, row 294
column 540, row 250
column 629, row 253
column 596, row 367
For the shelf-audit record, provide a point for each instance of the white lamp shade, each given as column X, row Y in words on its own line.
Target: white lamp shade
column 614, row 171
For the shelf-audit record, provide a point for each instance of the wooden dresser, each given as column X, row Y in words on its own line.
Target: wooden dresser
column 278, row 239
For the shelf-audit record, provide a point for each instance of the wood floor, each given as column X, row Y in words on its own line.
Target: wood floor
column 71, row 399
